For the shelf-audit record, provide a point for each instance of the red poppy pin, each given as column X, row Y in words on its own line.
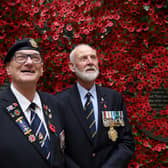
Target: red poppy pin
column 52, row 128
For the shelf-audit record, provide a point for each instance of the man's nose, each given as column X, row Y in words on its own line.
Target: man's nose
column 29, row 60
column 89, row 60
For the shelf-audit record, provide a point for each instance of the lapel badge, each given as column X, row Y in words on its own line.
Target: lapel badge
column 102, row 99
column 9, row 108
column 17, row 112
column 15, row 104
column 52, row 128
column 47, row 111
column 31, row 138
column 12, row 106
column 50, row 116
column 11, row 114
column 40, row 136
column 45, row 107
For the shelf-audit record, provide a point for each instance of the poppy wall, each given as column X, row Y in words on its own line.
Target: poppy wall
column 131, row 38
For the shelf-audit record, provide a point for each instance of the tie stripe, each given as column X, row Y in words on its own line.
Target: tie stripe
column 94, row 134
column 40, row 132
column 91, row 112
column 88, row 108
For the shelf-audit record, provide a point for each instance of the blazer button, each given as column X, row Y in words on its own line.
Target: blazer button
column 93, row 154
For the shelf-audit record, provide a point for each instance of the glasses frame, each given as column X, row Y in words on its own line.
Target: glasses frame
column 26, row 57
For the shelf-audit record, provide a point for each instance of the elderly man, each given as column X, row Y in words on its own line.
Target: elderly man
column 31, row 131
column 97, row 131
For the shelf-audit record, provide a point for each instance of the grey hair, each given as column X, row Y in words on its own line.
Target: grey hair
column 72, row 53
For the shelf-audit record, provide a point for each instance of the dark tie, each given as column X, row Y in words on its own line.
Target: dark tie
column 39, row 131
column 88, row 108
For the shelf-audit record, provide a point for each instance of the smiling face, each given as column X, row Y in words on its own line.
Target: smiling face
column 85, row 64
column 24, row 74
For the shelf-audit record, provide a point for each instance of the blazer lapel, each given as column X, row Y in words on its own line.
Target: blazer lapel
column 15, row 112
column 101, row 96
column 77, row 108
column 52, row 130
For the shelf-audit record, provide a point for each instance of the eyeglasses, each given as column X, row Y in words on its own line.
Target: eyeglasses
column 22, row 58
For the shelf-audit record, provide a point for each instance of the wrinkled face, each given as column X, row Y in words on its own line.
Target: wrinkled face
column 85, row 63
column 27, row 72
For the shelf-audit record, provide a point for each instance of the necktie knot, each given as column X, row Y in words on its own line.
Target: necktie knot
column 88, row 95
column 32, row 106
column 32, row 109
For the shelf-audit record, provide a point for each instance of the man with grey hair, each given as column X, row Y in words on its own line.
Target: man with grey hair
column 98, row 134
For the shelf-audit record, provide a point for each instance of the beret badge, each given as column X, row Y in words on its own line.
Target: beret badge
column 33, row 43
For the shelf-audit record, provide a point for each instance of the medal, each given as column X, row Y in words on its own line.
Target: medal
column 112, row 134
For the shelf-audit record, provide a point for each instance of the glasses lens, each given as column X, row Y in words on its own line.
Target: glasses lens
column 36, row 58
column 20, row 58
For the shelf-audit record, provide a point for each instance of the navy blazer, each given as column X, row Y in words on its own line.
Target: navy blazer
column 16, row 148
column 80, row 150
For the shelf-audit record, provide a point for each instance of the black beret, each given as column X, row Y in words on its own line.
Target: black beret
column 24, row 44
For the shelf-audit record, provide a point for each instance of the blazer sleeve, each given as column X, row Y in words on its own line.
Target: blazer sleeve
column 125, row 146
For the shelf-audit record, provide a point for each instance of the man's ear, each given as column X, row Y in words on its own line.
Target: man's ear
column 42, row 70
column 72, row 67
column 8, row 69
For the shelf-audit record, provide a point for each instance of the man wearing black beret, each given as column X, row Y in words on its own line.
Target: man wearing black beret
column 30, row 125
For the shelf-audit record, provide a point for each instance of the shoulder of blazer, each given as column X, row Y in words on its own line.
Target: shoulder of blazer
column 6, row 95
column 46, row 98
column 67, row 92
column 107, row 91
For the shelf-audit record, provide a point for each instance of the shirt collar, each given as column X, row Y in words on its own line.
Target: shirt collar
column 23, row 101
column 83, row 91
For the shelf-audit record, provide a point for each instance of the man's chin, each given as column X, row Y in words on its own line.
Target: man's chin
column 88, row 77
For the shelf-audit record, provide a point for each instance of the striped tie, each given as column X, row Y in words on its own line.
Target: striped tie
column 88, row 108
column 39, row 131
